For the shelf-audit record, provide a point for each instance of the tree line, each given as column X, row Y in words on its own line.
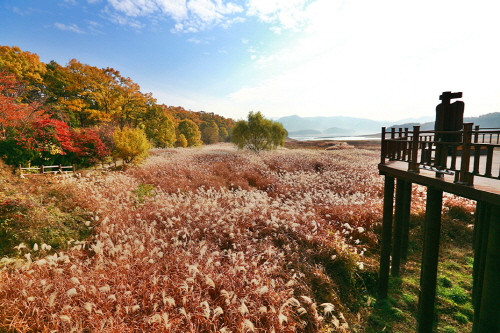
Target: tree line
column 82, row 114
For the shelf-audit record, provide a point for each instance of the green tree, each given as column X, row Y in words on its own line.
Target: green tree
column 258, row 133
column 160, row 127
column 209, row 132
column 191, row 132
column 223, row 134
column 131, row 144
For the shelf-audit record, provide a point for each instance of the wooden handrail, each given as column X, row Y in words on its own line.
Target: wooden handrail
column 420, row 149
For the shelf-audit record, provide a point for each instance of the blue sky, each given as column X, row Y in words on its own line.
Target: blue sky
column 383, row 60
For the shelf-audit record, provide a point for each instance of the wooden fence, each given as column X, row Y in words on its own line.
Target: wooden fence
column 46, row 169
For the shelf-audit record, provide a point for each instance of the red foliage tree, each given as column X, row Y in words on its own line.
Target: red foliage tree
column 13, row 113
column 88, row 146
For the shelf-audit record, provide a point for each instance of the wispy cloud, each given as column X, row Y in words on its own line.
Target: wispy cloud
column 70, row 27
column 283, row 14
column 197, row 41
column 94, row 27
column 189, row 16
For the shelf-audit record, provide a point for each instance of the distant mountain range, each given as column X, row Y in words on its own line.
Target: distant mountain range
column 490, row 120
column 336, row 126
column 350, row 126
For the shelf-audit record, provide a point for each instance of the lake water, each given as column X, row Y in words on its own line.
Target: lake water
column 336, row 138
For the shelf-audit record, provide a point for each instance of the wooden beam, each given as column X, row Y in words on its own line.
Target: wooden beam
column 489, row 316
column 450, row 187
column 406, row 221
column 481, row 227
column 430, row 255
column 398, row 227
column 385, row 252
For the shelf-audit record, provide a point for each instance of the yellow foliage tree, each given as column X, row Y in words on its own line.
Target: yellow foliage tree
column 181, row 141
column 131, row 144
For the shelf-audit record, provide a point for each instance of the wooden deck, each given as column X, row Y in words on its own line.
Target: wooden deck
column 463, row 162
column 483, row 189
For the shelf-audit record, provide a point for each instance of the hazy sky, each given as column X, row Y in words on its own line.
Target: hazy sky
column 384, row 60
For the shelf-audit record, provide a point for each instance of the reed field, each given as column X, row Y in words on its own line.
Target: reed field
column 210, row 240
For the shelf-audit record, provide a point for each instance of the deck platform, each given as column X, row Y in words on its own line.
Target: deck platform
column 457, row 158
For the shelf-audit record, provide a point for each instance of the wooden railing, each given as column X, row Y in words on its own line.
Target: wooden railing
column 46, row 169
column 464, row 154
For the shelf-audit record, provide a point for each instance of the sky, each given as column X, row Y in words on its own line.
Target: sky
column 381, row 60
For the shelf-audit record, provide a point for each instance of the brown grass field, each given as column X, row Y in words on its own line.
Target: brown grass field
column 209, row 240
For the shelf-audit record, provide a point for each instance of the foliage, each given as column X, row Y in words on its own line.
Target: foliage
column 258, row 133
column 15, row 110
column 88, row 147
column 181, row 141
column 190, row 130
column 85, row 98
column 26, row 67
column 160, row 127
column 209, row 132
column 131, row 144
column 40, row 215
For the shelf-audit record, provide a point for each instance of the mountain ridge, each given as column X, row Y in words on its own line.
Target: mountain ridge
column 352, row 126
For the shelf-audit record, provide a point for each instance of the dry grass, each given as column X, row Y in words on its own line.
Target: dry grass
column 210, row 240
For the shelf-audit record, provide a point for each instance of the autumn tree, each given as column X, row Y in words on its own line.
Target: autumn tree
column 191, row 132
column 209, row 132
column 181, row 141
column 258, row 133
column 160, row 127
column 223, row 134
column 131, row 144
column 15, row 111
column 46, row 141
column 26, row 67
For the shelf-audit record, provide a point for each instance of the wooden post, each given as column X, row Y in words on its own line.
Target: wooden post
column 413, row 165
column 465, row 176
column 481, row 226
column 476, row 134
column 405, row 218
column 392, row 145
column 489, row 315
column 399, row 145
column 398, row 227
column 385, row 252
column 489, row 160
column 477, row 158
column 383, row 148
column 42, row 169
column 428, row 275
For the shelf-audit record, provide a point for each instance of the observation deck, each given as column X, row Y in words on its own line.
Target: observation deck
column 457, row 158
